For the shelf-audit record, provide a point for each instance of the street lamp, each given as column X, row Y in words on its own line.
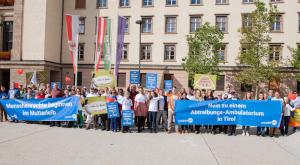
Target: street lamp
column 140, row 22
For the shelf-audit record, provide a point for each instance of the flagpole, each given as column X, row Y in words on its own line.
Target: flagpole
column 76, row 62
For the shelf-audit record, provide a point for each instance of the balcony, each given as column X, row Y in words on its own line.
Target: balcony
column 7, row 2
column 5, row 56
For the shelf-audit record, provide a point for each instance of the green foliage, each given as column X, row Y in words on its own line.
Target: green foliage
column 203, row 57
column 255, row 47
column 295, row 60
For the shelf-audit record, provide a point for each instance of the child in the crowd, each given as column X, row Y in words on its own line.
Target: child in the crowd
column 126, row 105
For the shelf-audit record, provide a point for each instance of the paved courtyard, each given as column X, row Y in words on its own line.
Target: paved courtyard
column 30, row 144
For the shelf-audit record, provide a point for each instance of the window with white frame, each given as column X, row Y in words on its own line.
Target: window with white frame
column 146, row 24
column 147, row 3
column 171, row 24
column 277, row 25
column 275, row 52
column 170, row 51
column 146, row 51
column 222, row 2
column 81, row 51
column 246, row 21
column 124, row 55
column 222, row 52
column 124, row 3
column 127, row 24
column 195, row 23
column 248, row 1
column 171, row 2
column 196, row 2
column 81, row 25
column 222, row 22
column 101, row 3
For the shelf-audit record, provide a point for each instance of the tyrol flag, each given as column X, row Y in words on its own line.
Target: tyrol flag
column 100, row 36
column 72, row 24
column 120, row 43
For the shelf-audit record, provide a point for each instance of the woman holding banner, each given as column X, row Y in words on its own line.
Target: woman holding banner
column 198, row 97
column 274, row 131
column 247, row 128
column 140, row 108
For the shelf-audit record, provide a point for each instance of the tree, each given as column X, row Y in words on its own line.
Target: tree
column 203, row 56
column 255, row 50
column 295, row 60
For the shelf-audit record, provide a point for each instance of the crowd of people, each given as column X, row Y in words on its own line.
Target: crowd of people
column 153, row 109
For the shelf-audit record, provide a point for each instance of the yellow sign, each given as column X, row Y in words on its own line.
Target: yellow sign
column 103, row 79
column 205, row 81
column 96, row 105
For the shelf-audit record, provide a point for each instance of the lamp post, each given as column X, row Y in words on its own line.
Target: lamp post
column 140, row 22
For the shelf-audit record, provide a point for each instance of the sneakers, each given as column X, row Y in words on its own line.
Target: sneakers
column 243, row 134
column 247, row 134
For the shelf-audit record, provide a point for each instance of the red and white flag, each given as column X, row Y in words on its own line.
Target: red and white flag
column 72, row 24
column 100, row 35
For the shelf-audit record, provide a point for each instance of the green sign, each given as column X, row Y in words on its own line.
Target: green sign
column 205, row 81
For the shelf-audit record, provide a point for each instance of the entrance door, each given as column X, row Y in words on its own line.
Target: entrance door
column 5, row 78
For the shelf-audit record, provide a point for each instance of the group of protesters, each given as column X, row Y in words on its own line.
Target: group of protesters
column 153, row 109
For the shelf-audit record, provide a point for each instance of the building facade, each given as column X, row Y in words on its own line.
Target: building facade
column 40, row 40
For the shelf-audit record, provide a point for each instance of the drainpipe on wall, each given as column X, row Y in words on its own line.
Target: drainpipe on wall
column 61, row 39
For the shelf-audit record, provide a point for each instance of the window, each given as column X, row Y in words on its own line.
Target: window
column 124, row 3
column 220, row 83
column 170, row 50
column 244, row 49
column 276, row 1
column 171, row 24
column 81, row 25
column 7, row 35
column 147, row 3
column 81, row 51
column 195, row 23
column 79, row 4
column 247, row 1
column 246, row 88
column 127, row 23
column 143, row 79
column 275, row 52
column 121, row 81
column 299, row 22
column 298, row 86
column 196, row 2
column 171, row 2
column 246, row 21
column 125, row 52
column 79, row 78
column 146, row 51
column 222, row 52
column 147, row 25
column 222, row 23
column 221, row 2
column 101, row 3
column 277, row 26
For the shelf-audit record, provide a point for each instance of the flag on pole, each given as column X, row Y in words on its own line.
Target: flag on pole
column 120, row 43
column 107, row 46
column 100, row 35
column 72, row 24
column 34, row 78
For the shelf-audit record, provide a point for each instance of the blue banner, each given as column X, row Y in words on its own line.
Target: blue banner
column 229, row 112
column 127, row 118
column 168, row 84
column 134, row 77
column 112, row 110
column 151, row 81
column 56, row 109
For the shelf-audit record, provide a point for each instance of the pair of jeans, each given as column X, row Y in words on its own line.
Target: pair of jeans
column 231, row 129
column 246, row 128
column 261, row 130
column 140, row 122
column 162, row 114
column 285, row 125
column 113, row 124
column 152, row 120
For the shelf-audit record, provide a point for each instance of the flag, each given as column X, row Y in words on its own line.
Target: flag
column 120, row 43
column 33, row 79
column 72, row 25
column 100, row 35
column 107, row 46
